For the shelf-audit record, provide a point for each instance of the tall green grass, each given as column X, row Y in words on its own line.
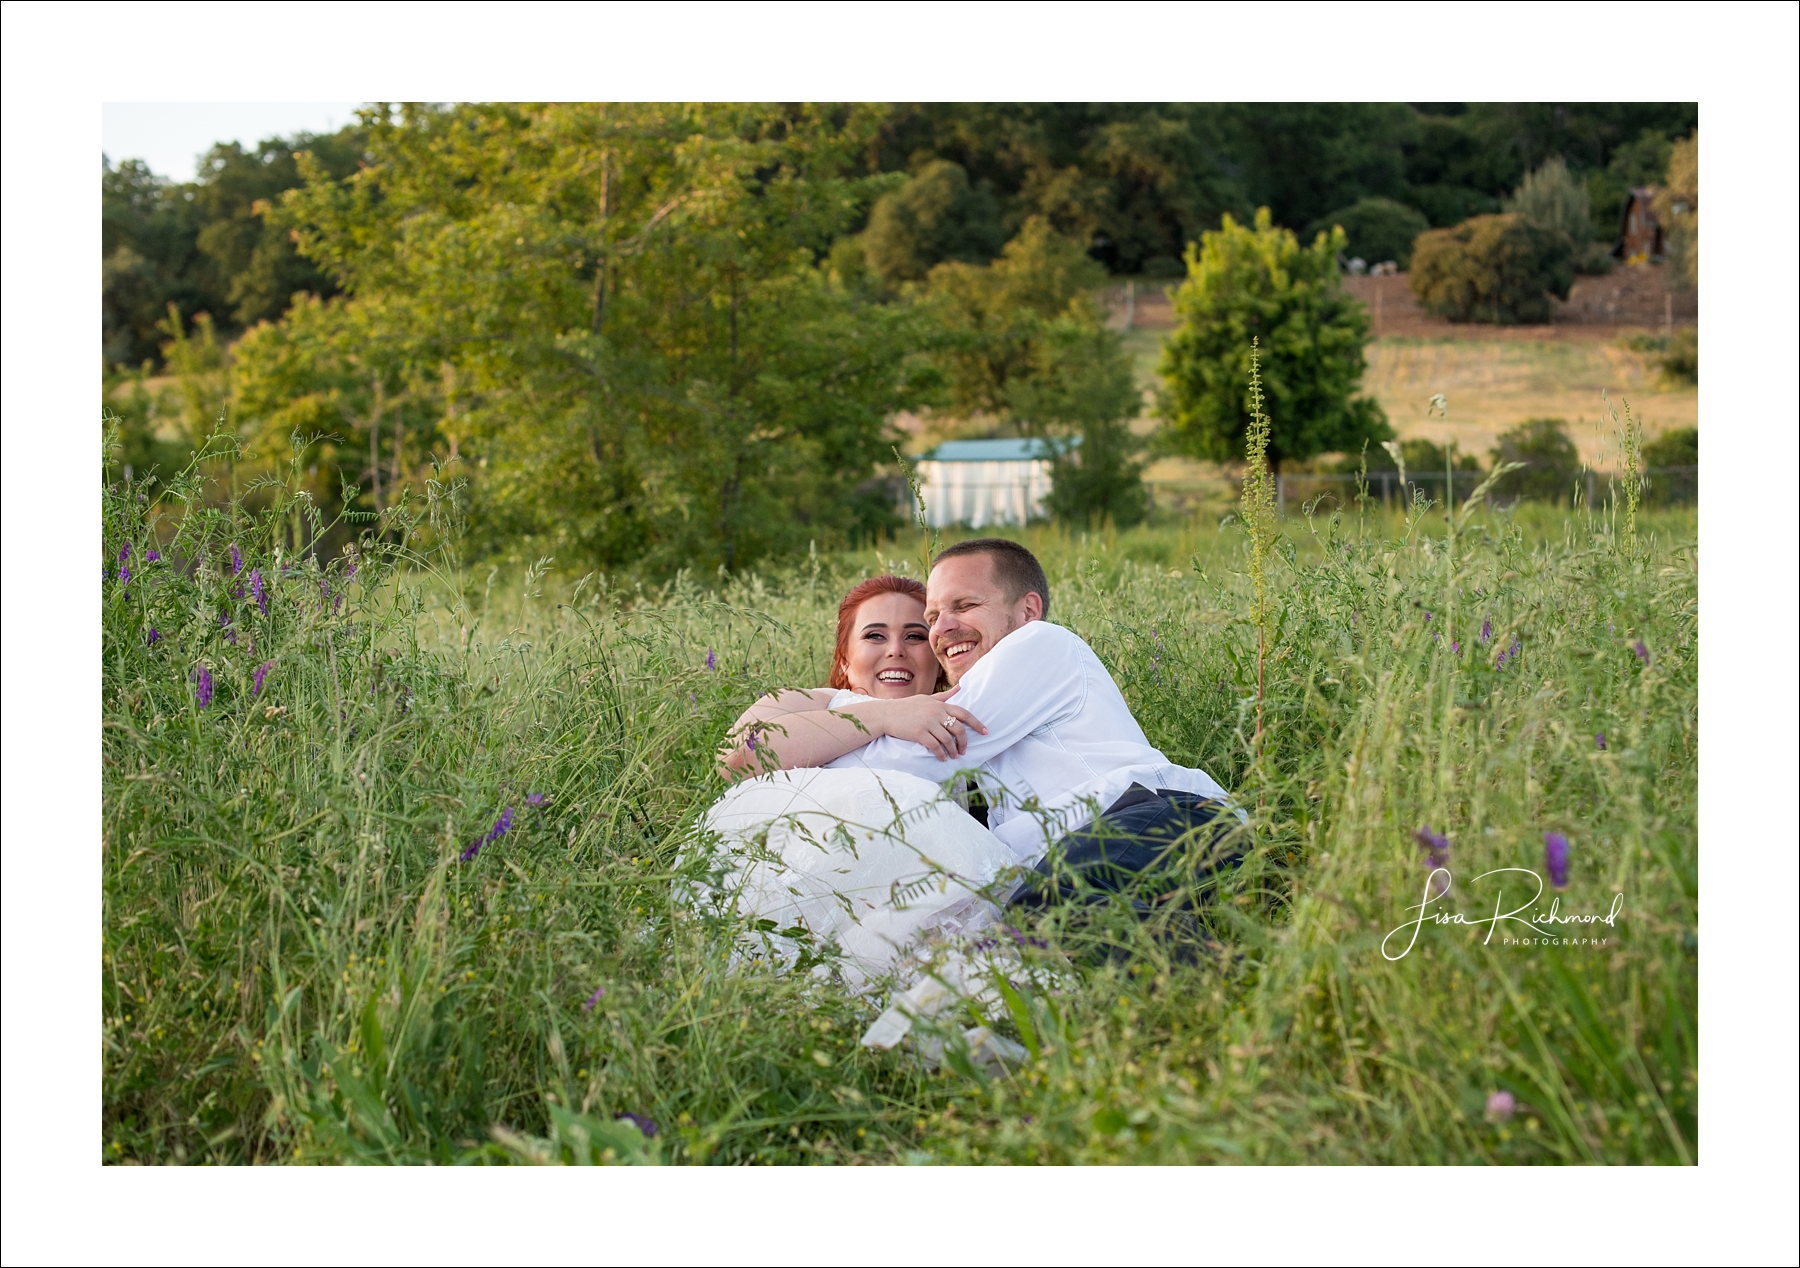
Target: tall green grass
column 300, row 966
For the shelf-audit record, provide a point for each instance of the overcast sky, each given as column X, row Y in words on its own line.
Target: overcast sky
column 170, row 136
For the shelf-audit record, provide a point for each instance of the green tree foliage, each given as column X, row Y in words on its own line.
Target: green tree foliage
column 1423, row 457
column 1498, row 269
column 1677, row 447
column 1376, row 229
column 1677, row 208
column 936, row 215
column 1256, row 280
column 1551, row 461
column 615, row 311
column 1030, row 350
column 205, row 245
column 1132, row 182
column 1551, row 198
column 1001, row 314
column 255, row 259
column 1635, row 163
column 149, row 259
column 1083, row 387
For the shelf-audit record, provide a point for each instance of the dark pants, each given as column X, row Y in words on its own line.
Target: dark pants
column 1155, row 847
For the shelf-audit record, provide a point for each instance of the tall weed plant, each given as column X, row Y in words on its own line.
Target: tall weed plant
column 391, row 856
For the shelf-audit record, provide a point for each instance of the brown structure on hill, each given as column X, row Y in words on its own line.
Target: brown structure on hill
column 1639, row 234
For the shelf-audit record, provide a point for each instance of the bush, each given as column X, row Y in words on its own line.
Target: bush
column 1676, row 448
column 936, row 216
column 1498, row 269
column 1550, row 458
column 1377, row 229
column 1676, row 358
column 1552, row 199
column 1423, row 457
column 1248, row 281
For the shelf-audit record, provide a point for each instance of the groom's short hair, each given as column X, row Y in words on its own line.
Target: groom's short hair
column 1015, row 568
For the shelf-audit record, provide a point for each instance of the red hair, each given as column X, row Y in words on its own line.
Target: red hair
column 873, row 588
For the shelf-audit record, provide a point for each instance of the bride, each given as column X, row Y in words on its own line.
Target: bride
column 880, row 865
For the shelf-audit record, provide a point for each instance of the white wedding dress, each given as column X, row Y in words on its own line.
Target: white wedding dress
column 875, row 863
column 882, row 867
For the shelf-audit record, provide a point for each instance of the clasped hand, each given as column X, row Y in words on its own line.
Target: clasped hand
column 942, row 728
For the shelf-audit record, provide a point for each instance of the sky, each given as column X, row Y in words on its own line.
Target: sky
column 170, row 136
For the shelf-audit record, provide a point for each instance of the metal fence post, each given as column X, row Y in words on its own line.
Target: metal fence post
column 1281, row 495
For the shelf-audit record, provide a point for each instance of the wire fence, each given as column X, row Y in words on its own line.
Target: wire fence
column 1664, row 486
column 1328, row 491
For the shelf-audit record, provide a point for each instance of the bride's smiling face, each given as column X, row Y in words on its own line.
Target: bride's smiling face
column 890, row 649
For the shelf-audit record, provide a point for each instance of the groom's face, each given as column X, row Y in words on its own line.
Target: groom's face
column 969, row 612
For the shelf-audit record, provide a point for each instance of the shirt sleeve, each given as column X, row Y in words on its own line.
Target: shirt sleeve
column 1033, row 678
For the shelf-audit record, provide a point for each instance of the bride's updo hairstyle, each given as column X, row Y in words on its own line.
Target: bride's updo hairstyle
column 859, row 595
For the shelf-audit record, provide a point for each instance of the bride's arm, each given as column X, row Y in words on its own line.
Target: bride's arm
column 781, row 732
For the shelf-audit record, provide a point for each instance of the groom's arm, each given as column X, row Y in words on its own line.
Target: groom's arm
column 1032, row 678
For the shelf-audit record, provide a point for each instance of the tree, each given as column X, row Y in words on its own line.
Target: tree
column 1030, row 350
column 1551, row 461
column 1499, row 269
column 1552, row 199
column 936, row 215
column 1082, row 389
column 1376, row 229
column 149, row 259
column 1257, row 281
column 255, row 259
column 618, row 314
column 1000, row 314
column 1677, row 208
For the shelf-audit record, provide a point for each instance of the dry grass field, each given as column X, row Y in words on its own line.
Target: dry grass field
column 1492, row 377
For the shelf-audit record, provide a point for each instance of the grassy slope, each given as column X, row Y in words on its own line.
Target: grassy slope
column 1491, row 384
column 297, row 966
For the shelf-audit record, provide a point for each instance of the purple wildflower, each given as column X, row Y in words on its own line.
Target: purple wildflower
column 1643, row 653
column 152, row 556
column 1599, row 739
column 641, row 1122
column 593, row 999
column 1437, row 847
column 535, row 800
column 1455, row 647
column 1556, row 858
column 1428, row 618
column 257, row 592
column 237, row 560
column 711, row 661
column 750, row 740
column 124, row 575
column 125, row 552
column 152, row 638
column 1511, row 653
column 1500, row 1107
column 1487, row 629
column 262, row 671
column 203, row 686
column 501, row 827
column 225, row 624
column 349, row 569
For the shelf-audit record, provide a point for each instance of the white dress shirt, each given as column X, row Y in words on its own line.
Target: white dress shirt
column 1061, row 742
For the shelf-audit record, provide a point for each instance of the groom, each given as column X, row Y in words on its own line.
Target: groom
column 1074, row 787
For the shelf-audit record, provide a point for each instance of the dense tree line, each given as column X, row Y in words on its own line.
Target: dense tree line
column 657, row 336
column 1135, row 183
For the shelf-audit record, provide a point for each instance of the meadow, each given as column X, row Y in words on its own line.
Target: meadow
column 392, row 854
